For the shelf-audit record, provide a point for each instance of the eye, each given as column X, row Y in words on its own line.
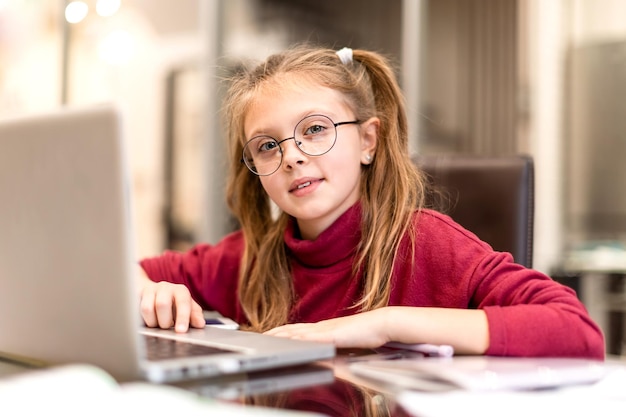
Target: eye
column 266, row 145
column 315, row 129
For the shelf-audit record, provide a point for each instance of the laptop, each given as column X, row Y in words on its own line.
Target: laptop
column 68, row 270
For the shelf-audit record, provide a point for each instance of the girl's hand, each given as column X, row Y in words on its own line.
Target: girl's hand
column 362, row 330
column 164, row 305
column 466, row 330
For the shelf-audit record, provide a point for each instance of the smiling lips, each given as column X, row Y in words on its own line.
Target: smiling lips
column 302, row 184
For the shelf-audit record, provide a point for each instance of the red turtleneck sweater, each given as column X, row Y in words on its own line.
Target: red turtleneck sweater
column 529, row 314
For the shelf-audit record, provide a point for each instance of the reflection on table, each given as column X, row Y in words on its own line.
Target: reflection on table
column 326, row 388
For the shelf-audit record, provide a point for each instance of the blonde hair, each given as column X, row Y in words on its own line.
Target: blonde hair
column 371, row 90
column 365, row 402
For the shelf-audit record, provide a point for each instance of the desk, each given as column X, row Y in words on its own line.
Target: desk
column 319, row 388
column 329, row 388
column 347, row 395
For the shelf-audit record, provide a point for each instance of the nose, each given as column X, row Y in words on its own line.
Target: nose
column 292, row 155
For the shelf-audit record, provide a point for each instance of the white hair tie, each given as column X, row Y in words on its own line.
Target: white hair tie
column 345, row 55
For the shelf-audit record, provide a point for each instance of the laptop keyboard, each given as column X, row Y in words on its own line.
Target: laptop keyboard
column 160, row 348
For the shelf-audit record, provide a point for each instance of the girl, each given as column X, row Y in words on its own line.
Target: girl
column 335, row 244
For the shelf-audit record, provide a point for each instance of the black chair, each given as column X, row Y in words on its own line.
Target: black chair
column 492, row 196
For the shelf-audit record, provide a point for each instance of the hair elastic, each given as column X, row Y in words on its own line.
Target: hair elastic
column 345, row 55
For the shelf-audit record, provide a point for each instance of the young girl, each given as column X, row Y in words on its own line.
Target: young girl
column 347, row 253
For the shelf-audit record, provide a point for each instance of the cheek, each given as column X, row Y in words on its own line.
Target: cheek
column 344, row 171
column 347, row 157
column 269, row 185
column 265, row 182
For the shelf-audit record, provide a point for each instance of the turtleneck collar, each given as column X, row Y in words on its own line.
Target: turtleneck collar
column 338, row 242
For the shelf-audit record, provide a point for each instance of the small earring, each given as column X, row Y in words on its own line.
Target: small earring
column 368, row 158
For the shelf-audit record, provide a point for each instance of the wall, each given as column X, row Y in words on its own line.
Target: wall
column 169, row 35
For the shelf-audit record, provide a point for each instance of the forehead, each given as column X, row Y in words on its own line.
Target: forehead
column 288, row 99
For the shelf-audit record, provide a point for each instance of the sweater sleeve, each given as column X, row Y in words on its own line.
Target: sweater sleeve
column 210, row 272
column 528, row 313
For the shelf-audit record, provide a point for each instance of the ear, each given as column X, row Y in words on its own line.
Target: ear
column 369, row 139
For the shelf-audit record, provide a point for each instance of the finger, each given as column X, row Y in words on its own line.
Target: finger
column 197, row 317
column 164, row 308
column 182, row 302
column 146, row 304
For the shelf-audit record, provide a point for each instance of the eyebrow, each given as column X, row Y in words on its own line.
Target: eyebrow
column 264, row 131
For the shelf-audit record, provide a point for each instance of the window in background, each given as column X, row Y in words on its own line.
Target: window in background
column 595, row 143
column 595, row 137
column 594, row 146
column 123, row 52
column 30, row 56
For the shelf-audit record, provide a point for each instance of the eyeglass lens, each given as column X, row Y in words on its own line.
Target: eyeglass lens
column 314, row 135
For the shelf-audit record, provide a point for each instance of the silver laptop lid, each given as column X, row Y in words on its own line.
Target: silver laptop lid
column 67, row 284
column 65, row 259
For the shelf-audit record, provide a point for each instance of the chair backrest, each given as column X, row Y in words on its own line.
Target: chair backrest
column 492, row 196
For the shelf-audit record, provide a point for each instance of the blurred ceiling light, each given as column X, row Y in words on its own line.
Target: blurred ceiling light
column 117, row 47
column 76, row 11
column 106, row 8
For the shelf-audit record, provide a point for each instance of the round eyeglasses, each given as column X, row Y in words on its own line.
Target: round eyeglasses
column 314, row 135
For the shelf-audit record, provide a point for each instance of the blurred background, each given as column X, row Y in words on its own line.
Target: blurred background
column 539, row 77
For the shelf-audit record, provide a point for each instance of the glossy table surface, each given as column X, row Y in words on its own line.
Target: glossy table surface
column 329, row 388
column 326, row 387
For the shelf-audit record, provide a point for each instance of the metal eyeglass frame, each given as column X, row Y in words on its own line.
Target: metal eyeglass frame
column 278, row 142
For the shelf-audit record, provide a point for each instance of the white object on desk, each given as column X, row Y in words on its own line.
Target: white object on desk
column 443, row 351
column 606, row 398
column 482, row 373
